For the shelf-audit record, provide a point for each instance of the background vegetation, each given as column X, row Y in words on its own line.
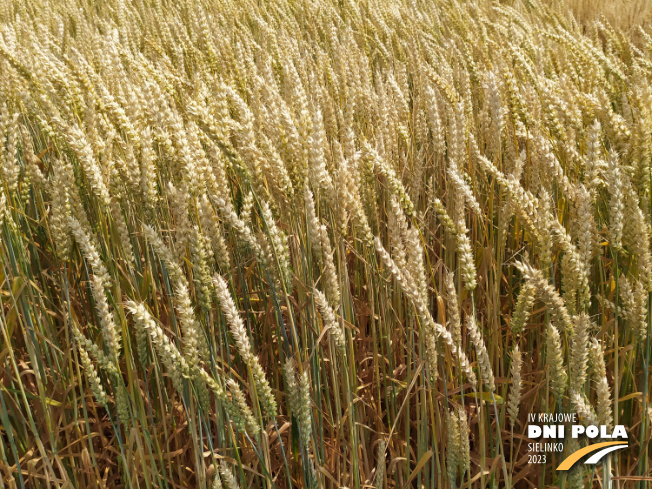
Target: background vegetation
column 624, row 14
column 320, row 244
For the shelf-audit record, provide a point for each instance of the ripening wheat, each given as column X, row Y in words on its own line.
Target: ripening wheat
column 320, row 244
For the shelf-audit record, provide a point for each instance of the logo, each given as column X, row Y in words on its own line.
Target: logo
column 550, row 436
column 601, row 448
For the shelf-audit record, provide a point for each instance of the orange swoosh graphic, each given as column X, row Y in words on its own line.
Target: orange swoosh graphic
column 575, row 456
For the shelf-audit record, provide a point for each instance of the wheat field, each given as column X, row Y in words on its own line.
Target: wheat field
column 624, row 14
column 321, row 244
